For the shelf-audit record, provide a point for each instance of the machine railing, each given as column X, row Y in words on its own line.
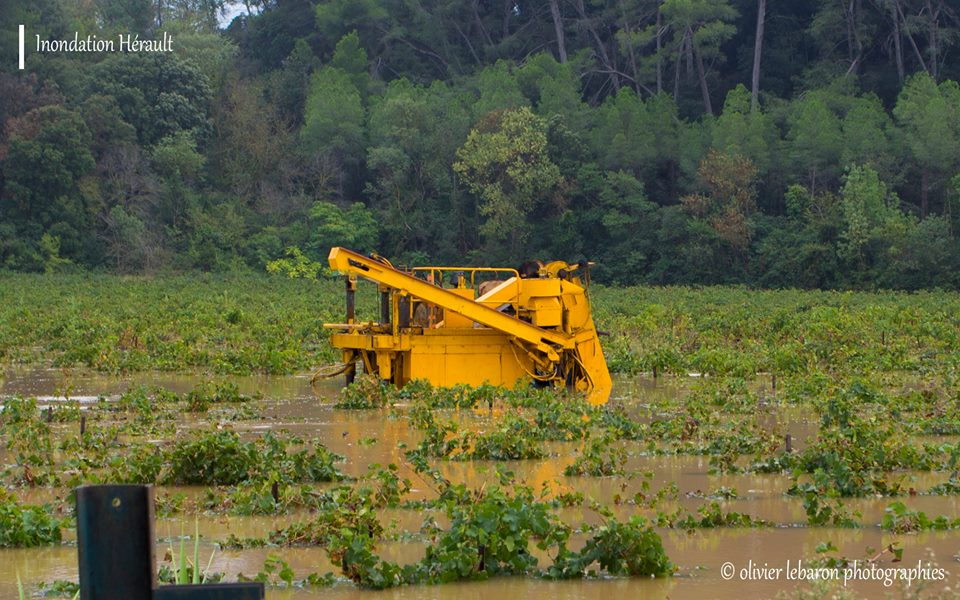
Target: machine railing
column 436, row 275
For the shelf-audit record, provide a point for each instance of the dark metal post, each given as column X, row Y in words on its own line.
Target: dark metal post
column 115, row 550
column 115, row 542
column 385, row 308
column 403, row 305
column 351, row 285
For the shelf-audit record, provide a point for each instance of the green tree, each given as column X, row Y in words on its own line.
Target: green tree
column 648, row 140
column 867, row 208
column 498, row 89
column 699, row 27
column 352, row 227
column 158, row 93
column 730, row 198
column 130, row 245
column 630, row 223
column 745, row 132
column 333, row 121
column 929, row 118
column 926, row 256
column 505, row 163
column 867, row 137
column 46, row 183
column 414, row 131
column 350, row 57
column 814, row 141
column 128, row 16
column 176, row 156
column 553, row 89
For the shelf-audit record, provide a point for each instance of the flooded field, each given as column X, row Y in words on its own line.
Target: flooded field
column 712, row 506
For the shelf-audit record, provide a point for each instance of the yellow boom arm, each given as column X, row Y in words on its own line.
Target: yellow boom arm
column 349, row 262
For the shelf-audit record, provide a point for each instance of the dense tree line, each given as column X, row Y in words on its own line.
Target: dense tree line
column 808, row 144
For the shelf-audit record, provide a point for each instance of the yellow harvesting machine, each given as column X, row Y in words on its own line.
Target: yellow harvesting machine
column 487, row 325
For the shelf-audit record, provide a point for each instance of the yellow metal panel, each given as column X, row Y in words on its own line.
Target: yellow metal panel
column 547, row 312
column 385, row 364
column 452, row 320
column 370, row 341
column 530, row 288
column 511, row 371
column 472, row 368
column 429, row 367
column 474, row 358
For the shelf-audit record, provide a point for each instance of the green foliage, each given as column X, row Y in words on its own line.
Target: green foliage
column 23, row 526
column 504, row 161
column 823, row 511
column 600, row 458
column 296, row 265
column 176, row 156
column 350, row 123
column 513, row 439
column 219, row 459
column 280, row 330
column 354, row 228
column 738, row 131
column 343, row 510
column 928, row 114
column 867, row 207
column 222, row 458
column 898, row 518
column 490, row 534
column 333, row 121
column 158, row 93
column 632, row 548
column 202, row 396
column 367, row 391
column 815, row 140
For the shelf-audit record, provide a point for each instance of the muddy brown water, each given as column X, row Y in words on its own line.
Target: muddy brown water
column 701, row 556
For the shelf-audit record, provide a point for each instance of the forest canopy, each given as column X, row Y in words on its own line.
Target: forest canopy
column 795, row 144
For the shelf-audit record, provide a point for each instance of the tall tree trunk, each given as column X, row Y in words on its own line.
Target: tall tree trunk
column 507, row 9
column 558, row 27
column 470, row 47
column 897, row 41
column 702, row 75
column 479, row 22
column 676, row 71
column 933, row 10
column 924, row 192
column 913, row 42
column 757, row 50
column 659, row 57
column 852, row 11
column 604, row 57
column 626, row 26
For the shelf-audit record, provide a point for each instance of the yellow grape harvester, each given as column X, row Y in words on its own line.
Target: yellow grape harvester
column 537, row 327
